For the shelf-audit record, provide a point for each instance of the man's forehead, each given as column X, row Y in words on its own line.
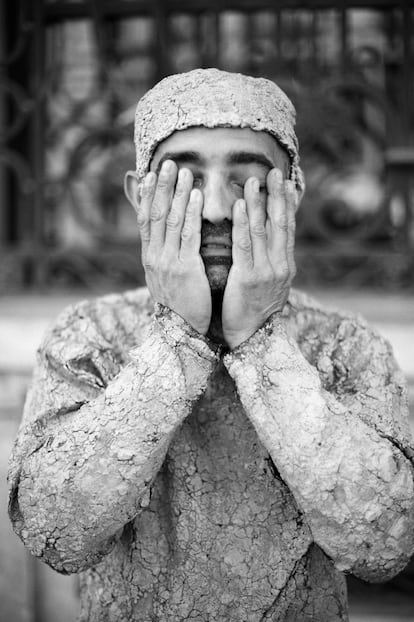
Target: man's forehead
column 221, row 142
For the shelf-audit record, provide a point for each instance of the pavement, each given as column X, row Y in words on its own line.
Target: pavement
column 23, row 320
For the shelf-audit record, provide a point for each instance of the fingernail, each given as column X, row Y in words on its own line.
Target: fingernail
column 242, row 206
column 183, row 174
column 195, row 195
column 149, row 180
column 254, row 184
column 278, row 175
column 168, row 166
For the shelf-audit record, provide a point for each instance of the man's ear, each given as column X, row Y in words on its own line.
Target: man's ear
column 132, row 189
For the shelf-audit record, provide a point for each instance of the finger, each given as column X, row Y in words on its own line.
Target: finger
column 291, row 205
column 256, row 212
column 161, row 206
column 175, row 218
column 191, row 230
column 143, row 217
column 242, row 245
column 277, row 214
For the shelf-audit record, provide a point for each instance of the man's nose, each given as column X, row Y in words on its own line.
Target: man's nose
column 218, row 201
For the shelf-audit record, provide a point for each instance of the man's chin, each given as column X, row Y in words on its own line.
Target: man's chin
column 217, row 273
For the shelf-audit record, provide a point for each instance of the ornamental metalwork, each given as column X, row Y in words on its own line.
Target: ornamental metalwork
column 71, row 73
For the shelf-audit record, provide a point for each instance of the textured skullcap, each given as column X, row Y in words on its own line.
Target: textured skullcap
column 213, row 98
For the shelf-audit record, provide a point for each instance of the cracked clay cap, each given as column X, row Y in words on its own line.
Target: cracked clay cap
column 213, row 98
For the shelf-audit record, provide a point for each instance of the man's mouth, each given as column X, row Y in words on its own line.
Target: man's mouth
column 216, row 248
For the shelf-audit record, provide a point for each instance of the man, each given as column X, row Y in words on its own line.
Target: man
column 231, row 455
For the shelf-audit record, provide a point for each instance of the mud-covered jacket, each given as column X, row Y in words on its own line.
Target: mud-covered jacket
column 188, row 483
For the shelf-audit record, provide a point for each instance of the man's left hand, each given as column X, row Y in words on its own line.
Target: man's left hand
column 263, row 257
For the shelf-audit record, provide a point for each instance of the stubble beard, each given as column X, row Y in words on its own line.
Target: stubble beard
column 217, row 271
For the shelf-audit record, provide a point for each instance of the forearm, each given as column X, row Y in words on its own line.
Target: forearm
column 93, row 470
column 355, row 487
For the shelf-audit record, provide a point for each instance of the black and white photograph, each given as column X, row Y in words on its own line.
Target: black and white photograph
column 206, row 311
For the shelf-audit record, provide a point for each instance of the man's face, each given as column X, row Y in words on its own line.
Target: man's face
column 221, row 160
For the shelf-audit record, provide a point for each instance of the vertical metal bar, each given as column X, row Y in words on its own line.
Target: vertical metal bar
column 38, row 135
column 407, row 107
column 278, row 33
column 407, row 100
column 161, row 24
column 343, row 27
column 315, row 40
column 216, row 49
column 212, row 36
column 18, row 180
column 3, row 199
column 98, row 27
column 250, row 35
column 199, row 38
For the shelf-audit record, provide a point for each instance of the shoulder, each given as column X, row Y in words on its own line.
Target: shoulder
column 309, row 314
column 345, row 339
column 117, row 321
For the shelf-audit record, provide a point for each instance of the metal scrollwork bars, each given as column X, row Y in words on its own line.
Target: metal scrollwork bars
column 361, row 103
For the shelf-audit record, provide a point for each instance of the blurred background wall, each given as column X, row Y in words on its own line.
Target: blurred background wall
column 71, row 72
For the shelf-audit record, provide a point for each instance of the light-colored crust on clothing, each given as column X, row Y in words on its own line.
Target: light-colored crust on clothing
column 139, row 463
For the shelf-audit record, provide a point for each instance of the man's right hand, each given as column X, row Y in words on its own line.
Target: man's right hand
column 169, row 219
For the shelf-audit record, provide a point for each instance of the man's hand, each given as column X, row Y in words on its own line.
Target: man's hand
column 263, row 260
column 169, row 219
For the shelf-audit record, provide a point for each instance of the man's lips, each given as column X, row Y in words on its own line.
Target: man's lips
column 216, row 247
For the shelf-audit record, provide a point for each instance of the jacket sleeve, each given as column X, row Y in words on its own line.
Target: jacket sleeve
column 95, row 433
column 337, row 431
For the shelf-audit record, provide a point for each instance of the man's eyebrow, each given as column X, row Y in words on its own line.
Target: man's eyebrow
column 249, row 157
column 181, row 157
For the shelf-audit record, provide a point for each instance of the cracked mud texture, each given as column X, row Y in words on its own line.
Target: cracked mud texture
column 188, row 484
column 214, row 98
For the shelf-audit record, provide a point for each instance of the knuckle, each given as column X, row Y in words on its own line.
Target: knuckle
column 163, row 182
column 145, row 237
column 143, row 224
column 249, row 278
column 190, row 211
column 148, row 262
column 187, row 232
column 266, row 277
column 181, row 269
column 258, row 229
column 173, row 220
column 282, row 223
column 144, row 234
column 142, row 217
column 164, row 265
column 142, row 221
column 244, row 243
column 282, row 271
column 156, row 213
column 180, row 190
column 146, row 191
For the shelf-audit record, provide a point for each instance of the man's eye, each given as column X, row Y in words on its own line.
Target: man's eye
column 197, row 182
column 238, row 187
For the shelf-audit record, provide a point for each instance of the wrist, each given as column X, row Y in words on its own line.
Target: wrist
column 178, row 330
column 257, row 337
column 236, row 339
